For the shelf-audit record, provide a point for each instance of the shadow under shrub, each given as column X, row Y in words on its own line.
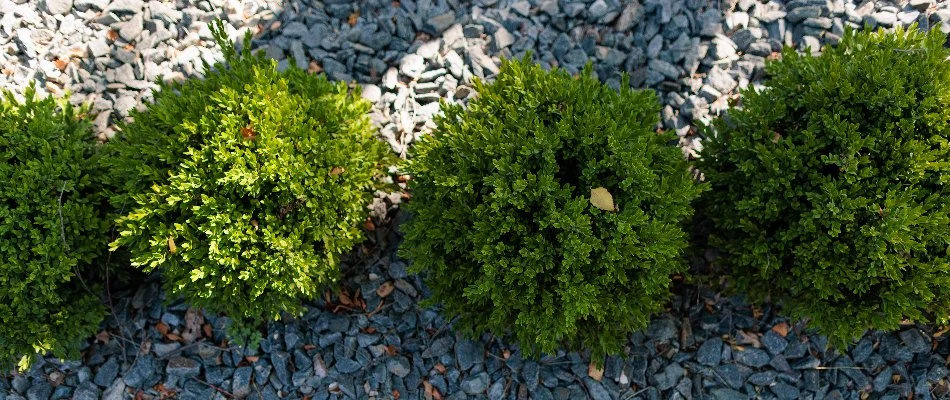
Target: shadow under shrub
column 52, row 229
column 830, row 186
column 244, row 188
column 502, row 220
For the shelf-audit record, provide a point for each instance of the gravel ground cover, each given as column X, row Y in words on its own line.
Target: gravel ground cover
column 376, row 341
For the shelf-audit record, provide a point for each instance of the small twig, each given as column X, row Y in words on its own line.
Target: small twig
column 219, row 390
column 62, row 226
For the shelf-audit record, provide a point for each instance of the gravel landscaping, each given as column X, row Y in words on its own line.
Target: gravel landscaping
column 375, row 340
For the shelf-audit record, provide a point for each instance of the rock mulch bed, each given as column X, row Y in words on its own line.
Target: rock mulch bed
column 377, row 341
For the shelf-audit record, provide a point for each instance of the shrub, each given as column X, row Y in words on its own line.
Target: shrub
column 503, row 224
column 829, row 187
column 52, row 229
column 246, row 187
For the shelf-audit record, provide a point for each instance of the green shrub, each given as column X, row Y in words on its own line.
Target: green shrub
column 830, row 186
column 52, row 229
column 244, row 188
column 503, row 224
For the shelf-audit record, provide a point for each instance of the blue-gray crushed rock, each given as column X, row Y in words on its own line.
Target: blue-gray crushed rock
column 408, row 57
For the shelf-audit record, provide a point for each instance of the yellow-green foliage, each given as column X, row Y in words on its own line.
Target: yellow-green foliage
column 244, row 188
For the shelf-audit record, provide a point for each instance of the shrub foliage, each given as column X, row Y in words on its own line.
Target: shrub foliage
column 244, row 188
column 503, row 224
column 830, row 186
column 52, row 230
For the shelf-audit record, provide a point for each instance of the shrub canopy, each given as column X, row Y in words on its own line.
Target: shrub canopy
column 830, row 186
column 52, row 229
column 244, row 188
column 503, row 223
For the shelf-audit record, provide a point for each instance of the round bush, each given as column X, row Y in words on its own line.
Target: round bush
column 502, row 220
column 244, row 188
column 52, row 230
column 830, row 186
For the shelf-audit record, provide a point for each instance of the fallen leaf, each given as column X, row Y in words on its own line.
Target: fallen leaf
column 595, row 372
column 171, row 246
column 781, row 329
column 395, row 394
column 162, row 328
column 602, row 199
column 173, row 337
column 385, row 289
column 505, row 354
column 352, row 18
column 369, row 225
column 336, row 171
column 309, row 347
column 402, row 178
column 208, row 330
column 369, row 330
column 60, row 64
column 390, row 350
column 427, row 388
column 896, row 378
column 102, row 337
column 248, row 132
column 252, row 359
column 345, row 298
column 744, row 337
column 112, row 35
column 777, row 137
column 942, row 331
column 440, row 368
column 314, row 68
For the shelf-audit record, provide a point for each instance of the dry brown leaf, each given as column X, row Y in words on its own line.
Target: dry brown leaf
column 352, row 18
column 942, row 331
column 602, row 199
column 385, row 289
column 744, row 337
column 440, row 368
column 336, row 171
column 390, row 350
column 781, row 329
column 162, row 328
column 102, row 337
column 777, row 137
column 345, row 298
column 248, row 132
column 595, row 372
column 173, row 337
column 112, row 35
column 309, row 347
column 60, row 64
column 427, row 389
column 252, row 359
column 314, row 68
column 396, row 394
column 402, row 178
column 506, row 354
column 171, row 246
column 369, row 225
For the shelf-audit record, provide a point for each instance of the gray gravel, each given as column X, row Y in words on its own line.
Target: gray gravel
column 407, row 57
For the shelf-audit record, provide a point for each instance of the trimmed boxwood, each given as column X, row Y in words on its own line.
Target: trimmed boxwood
column 503, row 226
column 830, row 186
column 53, row 229
column 244, row 188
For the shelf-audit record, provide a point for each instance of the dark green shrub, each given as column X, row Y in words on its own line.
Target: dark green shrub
column 245, row 187
column 503, row 224
column 52, row 229
column 830, row 186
